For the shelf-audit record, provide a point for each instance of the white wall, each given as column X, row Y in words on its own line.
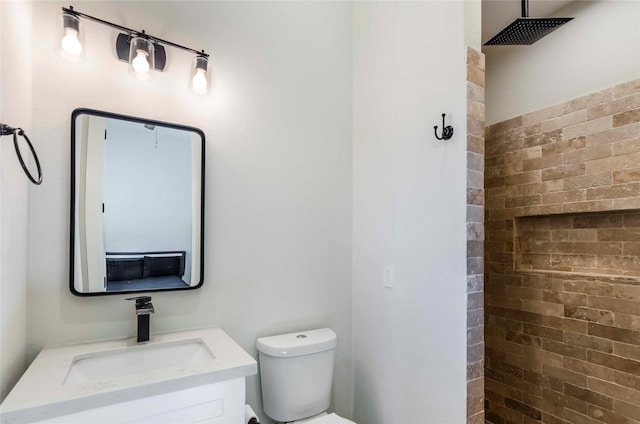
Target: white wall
column 15, row 110
column 147, row 189
column 597, row 49
column 409, row 212
column 148, row 193
column 278, row 176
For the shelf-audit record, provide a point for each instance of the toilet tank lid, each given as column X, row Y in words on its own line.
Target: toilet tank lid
column 299, row 343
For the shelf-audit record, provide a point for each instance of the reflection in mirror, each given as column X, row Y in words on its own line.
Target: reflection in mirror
column 136, row 205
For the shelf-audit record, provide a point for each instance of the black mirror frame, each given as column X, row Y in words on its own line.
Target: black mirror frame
column 72, row 179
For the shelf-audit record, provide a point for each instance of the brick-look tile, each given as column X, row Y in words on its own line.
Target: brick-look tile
column 627, row 409
column 560, row 400
column 505, row 125
column 475, row 127
column 589, row 396
column 475, row 75
column 588, row 100
column 524, row 409
column 589, row 127
column 583, row 155
column 614, row 390
column 626, row 88
column 475, row 179
column 588, row 369
column 587, row 314
column 625, row 176
column 475, row 196
column 563, row 146
column 626, row 118
column 616, row 106
column 475, row 213
column 475, row 109
column 631, row 380
column 589, row 342
column 625, row 146
column 626, row 350
column 614, row 333
column 615, row 191
column 545, row 138
column 475, row 144
column 477, row 418
column 563, row 171
column 614, row 362
column 525, row 153
column 607, row 416
column 562, row 252
column 588, row 206
column 564, row 196
column 475, row 236
column 475, row 283
column 475, row 93
column 564, row 121
column 542, row 162
column 628, row 321
column 629, row 203
column 586, row 181
column 475, row 58
column 626, row 132
column 538, row 116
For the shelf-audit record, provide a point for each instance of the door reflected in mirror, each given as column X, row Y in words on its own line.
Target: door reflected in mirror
column 137, row 196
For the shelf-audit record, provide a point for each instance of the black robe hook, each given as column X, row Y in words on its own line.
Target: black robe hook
column 447, row 131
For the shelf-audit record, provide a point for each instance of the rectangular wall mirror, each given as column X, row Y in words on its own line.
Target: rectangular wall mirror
column 137, row 201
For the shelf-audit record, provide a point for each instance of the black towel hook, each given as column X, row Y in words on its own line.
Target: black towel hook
column 7, row 130
column 447, row 131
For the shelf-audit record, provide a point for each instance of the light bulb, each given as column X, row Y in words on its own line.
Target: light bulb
column 70, row 43
column 199, row 81
column 140, row 63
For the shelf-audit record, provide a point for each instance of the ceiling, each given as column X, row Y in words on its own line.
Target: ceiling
column 497, row 14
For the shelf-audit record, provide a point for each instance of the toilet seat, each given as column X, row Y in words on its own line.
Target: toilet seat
column 329, row 419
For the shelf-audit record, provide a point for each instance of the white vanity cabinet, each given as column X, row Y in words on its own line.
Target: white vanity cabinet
column 195, row 376
column 214, row 403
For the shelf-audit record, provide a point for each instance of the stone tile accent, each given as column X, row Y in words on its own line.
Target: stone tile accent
column 475, row 236
column 562, row 263
column 604, row 243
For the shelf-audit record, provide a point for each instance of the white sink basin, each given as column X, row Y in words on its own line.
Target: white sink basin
column 68, row 379
column 107, row 365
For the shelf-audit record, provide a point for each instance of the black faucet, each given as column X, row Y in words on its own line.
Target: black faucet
column 144, row 308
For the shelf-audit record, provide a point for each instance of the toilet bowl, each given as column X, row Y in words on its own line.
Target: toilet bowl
column 296, row 372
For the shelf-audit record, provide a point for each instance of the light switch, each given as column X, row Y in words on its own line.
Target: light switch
column 388, row 276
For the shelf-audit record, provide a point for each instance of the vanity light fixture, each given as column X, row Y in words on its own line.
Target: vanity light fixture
column 70, row 38
column 200, row 75
column 141, row 57
column 142, row 51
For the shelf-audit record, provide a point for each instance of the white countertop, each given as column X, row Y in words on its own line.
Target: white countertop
column 40, row 392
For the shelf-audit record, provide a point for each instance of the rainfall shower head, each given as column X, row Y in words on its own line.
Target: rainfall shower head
column 526, row 31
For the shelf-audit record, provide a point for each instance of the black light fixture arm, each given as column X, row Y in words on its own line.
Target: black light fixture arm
column 447, row 131
column 133, row 31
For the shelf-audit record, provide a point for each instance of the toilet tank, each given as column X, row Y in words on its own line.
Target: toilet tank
column 296, row 371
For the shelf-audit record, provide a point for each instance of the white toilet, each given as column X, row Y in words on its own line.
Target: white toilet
column 296, row 370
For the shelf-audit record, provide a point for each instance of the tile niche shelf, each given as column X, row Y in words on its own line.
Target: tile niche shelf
column 594, row 244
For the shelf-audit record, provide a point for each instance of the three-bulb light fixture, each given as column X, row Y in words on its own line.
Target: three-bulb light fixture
column 142, row 51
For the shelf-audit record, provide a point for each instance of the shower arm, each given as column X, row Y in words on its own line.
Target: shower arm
column 525, row 8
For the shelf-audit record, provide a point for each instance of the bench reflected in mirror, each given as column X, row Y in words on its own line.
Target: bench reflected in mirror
column 128, row 271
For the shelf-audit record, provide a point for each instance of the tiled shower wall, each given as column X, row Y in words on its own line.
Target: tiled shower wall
column 475, row 236
column 562, row 287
